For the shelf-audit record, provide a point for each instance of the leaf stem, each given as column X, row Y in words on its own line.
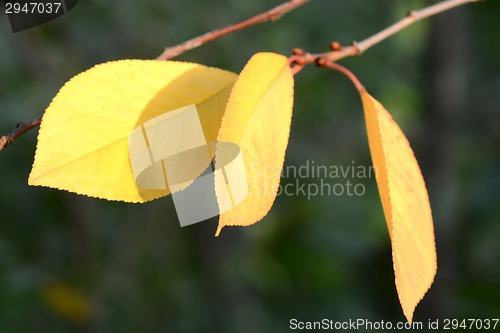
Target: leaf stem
column 21, row 128
column 298, row 60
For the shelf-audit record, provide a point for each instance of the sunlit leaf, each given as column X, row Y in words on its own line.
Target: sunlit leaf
column 258, row 118
column 405, row 203
column 83, row 140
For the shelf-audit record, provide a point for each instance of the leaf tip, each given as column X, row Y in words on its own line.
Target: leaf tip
column 408, row 302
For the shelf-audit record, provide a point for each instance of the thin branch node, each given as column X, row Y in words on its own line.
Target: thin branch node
column 335, row 46
column 357, row 49
column 298, row 51
column 275, row 16
column 296, row 62
column 21, row 128
column 411, row 14
column 321, row 62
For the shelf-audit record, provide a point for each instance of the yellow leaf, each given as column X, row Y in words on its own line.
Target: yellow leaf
column 257, row 118
column 67, row 302
column 406, row 205
column 83, row 140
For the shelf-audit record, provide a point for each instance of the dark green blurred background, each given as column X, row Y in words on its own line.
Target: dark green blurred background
column 75, row 264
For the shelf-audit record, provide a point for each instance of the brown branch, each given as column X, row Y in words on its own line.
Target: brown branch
column 271, row 15
column 170, row 52
column 298, row 60
column 302, row 58
column 21, row 128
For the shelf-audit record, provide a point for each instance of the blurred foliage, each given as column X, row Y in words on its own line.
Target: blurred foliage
column 327, row 257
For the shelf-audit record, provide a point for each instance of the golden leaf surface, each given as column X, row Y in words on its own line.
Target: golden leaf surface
column 83, row 139
column 406, row 205
column 258, row 118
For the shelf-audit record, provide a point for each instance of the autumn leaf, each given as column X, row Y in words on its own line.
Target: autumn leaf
column 257, row 118
column 67, row 302
column 406, row 205
column 84, row 135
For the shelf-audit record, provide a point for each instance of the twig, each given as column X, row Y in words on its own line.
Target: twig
column 170, row 52
column 271, row 15
column 298, row 60
column 21, row 128
column 356, row 48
